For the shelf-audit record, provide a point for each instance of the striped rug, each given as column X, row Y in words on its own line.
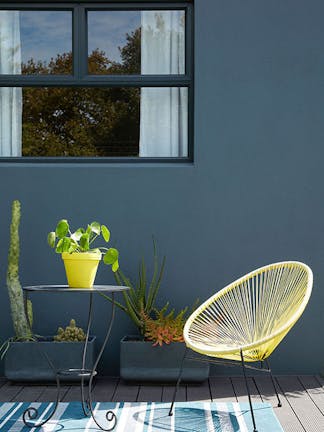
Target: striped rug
column 145, row 417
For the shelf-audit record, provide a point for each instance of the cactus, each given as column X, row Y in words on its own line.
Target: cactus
column 19, row 319
column 71, row 333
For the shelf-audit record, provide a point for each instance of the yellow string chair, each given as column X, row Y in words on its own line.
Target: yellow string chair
column 246, row 320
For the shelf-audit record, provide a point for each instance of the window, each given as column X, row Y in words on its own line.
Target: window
column 101, row 81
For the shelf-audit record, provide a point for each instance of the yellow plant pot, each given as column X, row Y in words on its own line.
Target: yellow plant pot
column 81, row 268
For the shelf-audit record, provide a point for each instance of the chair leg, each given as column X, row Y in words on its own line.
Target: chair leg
column 178, row 383
column 248, row 392
column 273, row 382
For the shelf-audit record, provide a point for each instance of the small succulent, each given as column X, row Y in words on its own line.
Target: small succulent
column 71, row 333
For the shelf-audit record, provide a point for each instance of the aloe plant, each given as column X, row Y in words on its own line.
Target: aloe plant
column 139, row 300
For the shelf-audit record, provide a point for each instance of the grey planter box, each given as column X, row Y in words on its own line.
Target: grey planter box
column 24, row 361
column 140, row 361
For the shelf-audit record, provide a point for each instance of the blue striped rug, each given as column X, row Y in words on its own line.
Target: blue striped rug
column 145, row 417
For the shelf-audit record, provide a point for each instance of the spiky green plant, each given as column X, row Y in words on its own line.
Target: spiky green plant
column 139, row 301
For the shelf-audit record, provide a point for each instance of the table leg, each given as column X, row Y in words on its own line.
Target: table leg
column 31, row 413
column 110, row 415
column 86, row 403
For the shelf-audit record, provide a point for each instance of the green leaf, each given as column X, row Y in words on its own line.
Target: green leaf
column 62, row 228
column 63, row 245
column 115, row 266
column 95, row 227
column 105, row 233
column 84, row 242
column 73, row 246
column 77, row 234
column 51, row 237
column 111, row 256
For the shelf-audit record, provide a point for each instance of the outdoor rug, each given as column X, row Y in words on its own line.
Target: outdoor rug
column 145, row 417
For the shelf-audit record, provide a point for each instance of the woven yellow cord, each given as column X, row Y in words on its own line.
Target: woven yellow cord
column 252, row 314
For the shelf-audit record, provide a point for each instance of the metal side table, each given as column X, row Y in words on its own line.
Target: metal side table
column 86, row 397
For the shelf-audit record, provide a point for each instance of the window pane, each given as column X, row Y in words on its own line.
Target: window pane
column 93, row 122
column 134, row 42
column 35, row 42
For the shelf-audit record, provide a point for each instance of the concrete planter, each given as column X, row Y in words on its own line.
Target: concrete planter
column 24, row 361
column 140, row 361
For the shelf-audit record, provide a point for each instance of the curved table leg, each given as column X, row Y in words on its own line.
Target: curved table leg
column 32, row 413
column 110, row 415
column 85, row 402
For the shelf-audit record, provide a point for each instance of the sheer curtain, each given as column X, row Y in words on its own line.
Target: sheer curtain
column 164, row 111
column 10, row 98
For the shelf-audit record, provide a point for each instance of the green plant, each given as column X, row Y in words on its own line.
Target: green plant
column 71, row 333
column 156, row 325
column 81, row 240
column 140, row 299
column 22, row 322
column 165, row 327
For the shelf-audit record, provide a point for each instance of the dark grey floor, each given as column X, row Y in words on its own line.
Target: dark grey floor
column 302, row 396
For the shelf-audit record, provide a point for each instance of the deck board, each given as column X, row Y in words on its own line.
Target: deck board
column 29, row 394
column 241, row 392
column 105, row 389
column 199, row 392
column 9, row 392
column 314, row 390
column 49, row 393
column 126, row 392
column 168, row 390
column 306, row 411
column 149, row 393
column 221, row 388
column 285, row 413
column 302, row 397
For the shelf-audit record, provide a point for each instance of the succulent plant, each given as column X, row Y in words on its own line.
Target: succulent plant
column 71, row 333
column 166, row 327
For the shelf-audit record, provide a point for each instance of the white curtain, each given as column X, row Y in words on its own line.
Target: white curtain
column 164, row 111
column 10, row 98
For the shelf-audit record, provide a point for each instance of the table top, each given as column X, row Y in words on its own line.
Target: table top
column 66, row 288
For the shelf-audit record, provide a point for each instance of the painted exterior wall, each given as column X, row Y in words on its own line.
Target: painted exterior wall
column 254, row 194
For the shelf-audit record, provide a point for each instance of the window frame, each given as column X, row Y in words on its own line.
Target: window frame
column 80, row 77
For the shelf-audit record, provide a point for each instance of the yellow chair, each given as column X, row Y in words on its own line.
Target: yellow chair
column 247, row 319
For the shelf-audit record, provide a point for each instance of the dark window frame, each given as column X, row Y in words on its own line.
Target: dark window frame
column 81, row 78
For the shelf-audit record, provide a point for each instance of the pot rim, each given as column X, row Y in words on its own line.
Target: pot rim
column 79, row 256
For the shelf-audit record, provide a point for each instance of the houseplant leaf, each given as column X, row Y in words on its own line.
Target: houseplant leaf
column 63, row 245
column 51, row 237
column 105, row 233
column 62, row 228
column 110, row 256
column 77, row 234
column 84, row 242
column 95, row 227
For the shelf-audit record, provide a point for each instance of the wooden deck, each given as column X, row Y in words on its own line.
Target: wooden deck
column 302, row 396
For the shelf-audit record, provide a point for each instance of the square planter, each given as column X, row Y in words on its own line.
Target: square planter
column 24, row 361
column 140, row 361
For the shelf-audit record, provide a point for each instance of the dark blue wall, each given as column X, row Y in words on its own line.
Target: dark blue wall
column 254, row 194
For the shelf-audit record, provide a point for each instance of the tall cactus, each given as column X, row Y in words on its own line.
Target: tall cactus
column 19, row 319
